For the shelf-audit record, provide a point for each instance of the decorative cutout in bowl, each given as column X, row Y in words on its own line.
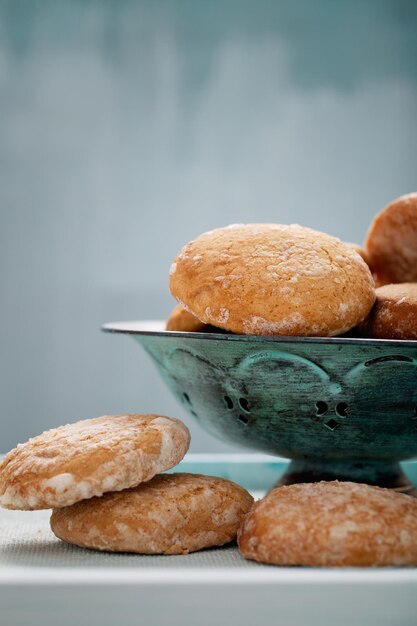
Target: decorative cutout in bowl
column 340, row 408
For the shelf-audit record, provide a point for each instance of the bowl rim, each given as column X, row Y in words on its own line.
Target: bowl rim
column 156, row 328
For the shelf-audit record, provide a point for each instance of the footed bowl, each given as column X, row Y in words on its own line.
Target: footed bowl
column 340, row 408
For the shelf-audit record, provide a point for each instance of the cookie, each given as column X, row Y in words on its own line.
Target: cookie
column 360, row 251
column 394, row 314
column 270, row 279
column 171, row 514
column 391, row 242
column 181, row 320
column 88, row 458
column 331, row 524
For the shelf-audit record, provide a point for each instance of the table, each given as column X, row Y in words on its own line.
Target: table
column 44, row 581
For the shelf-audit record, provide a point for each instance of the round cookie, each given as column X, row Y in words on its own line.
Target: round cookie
column 88, row 458
column 171, row 514
column 331, row 524
column 394, row 314
column 181, row 320
column 391, row 242
column 360, row 251
column 271, row 279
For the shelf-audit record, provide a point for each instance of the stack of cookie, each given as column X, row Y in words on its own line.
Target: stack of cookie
column 102, row 478
column 272, row 279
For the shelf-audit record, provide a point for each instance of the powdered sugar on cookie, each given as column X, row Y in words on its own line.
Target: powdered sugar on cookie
column 272, row 279
column 88, row 458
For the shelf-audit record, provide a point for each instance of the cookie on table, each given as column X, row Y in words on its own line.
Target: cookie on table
column 181, row 320
column 171, row 514
column 272, row 279
column 391, row 242
column 331, row 524
column 89, row 458
column 394, row 314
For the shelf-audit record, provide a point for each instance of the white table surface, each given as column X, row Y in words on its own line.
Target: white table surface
column 44, row 581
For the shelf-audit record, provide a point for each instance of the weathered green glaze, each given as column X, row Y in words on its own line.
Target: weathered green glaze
column 341, row 408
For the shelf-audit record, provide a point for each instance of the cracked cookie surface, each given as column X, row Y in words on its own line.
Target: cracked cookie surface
column 88, row 458
column 332, row 524
column 272, row 279
column 171, row 514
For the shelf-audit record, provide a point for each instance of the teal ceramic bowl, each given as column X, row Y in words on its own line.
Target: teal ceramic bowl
column 340, row 408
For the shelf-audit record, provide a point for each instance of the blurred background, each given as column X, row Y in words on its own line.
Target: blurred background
column 129, row 127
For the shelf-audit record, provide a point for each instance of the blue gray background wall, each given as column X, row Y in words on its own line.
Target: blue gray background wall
column 127, row 128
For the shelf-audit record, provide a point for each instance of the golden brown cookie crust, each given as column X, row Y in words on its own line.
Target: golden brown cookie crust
column 391, row 242
column 394, row 314
column 272, row 279
column 331, row 524
column 89, row 458
column 360, row 251
column 171, row 514
column 181, row 320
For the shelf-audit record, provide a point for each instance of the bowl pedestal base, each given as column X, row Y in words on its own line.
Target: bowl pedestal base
column 384, row 473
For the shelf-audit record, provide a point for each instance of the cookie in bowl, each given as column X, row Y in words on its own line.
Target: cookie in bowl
column 181, row 320
column 272, row 279
column 391, row 242
column 360, row 250
column 171, row 514
column 394, row 314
